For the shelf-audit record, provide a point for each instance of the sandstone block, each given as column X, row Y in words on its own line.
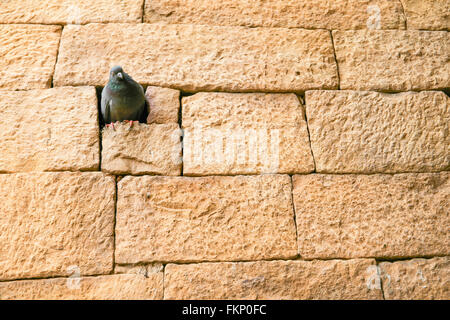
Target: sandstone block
column 279, row 280
column 212, row 218
column 198, row 57
column 142, row 149
column 53, row 224
column 245, row 133
column 70, row 11
column 369, row 132
column 28, row 55
column 427, row 14
column 144, row 270
column 393, row 60
column 164, row 105
column 416, row 279
column 323, row 14
column 49, row 129
column 384, row 216
column 108, row 287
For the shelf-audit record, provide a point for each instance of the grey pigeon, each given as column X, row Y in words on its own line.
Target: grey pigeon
column 123, row 98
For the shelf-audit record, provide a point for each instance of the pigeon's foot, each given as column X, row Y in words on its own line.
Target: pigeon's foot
column 110, row 125
column 131, row 122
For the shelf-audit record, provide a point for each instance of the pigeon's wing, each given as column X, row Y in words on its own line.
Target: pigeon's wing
column 106, row 108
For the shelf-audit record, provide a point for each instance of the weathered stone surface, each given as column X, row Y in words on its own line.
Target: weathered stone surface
column 164, row 105
column 54, row 224
column 325, row 14
column 333, row 279
column 208, row 218
column 386, row 216
column 142, row 149
column 418, row 279
column 244, row 133
column 144, row 270
column 393, row 60
column 28, row 56
column 49, row 129
column 70, row 11
column 427, row 14
column 199, row 58
column 108, row 287
column 369, row 132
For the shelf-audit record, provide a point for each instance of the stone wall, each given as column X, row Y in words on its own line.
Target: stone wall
column 293, row 150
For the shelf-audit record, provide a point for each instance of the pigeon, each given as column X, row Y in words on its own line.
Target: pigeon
column 123, row 99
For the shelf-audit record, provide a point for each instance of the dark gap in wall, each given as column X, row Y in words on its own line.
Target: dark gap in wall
column 164, row 279
column 303, row 100
column 101, row 124
column 395, row 259
column 336, row 60
column 180, row 123
column 447, row 91
column 98, row 91
column 144, row 117
column 143, row 11
column 295, row 216
column 116, row 180
column 301, row 97
column 57, row 56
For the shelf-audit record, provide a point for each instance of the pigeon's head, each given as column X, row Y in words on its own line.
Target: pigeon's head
column 116, row 73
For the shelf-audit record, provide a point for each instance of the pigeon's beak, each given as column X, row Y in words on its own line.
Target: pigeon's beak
column 120, row 75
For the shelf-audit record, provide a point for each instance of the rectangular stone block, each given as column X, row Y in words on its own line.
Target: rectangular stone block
column 184, row 219
column 28, row 55
column 393, row 60
column 318, row 14
column 49, row 129
column 198, row 57
column 427, row 14
column 163, row 104
column 245, row 133
column 379, row 216
column 70, row 11
column 277, row 280
column 142, row 149
column 370, row 132
column 108, row 287
column 54, row 223
column 416, row 279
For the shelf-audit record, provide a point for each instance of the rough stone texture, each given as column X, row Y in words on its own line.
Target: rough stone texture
column 393, row 60
column 70, row 11
column 325, row 14
column 199, row 58
column 49, row 129
column 385, row 216
column 108, row 287
column 164, row 105
column 144, row 270
column 418, row 279
column 28, row 56
column 427, row 14
column 208, row 218
column 369, row 132
column 245, row 133
column 334, row 279
column 52, row 224
column 142, row 149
